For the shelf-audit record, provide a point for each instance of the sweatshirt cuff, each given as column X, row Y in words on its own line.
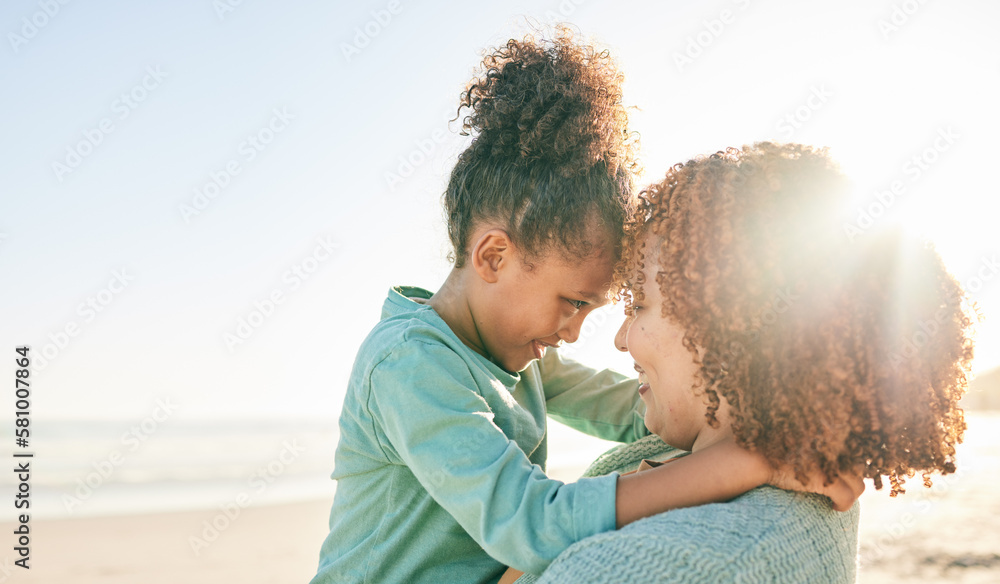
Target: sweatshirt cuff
column 594, row 505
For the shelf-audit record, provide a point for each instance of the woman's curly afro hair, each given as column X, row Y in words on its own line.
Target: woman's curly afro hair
column 551, row 156
column 834, row 355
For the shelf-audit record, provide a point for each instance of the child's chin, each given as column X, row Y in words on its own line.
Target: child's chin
column 516, row 365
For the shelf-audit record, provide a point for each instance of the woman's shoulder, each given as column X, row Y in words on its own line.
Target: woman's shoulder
column 756, row 522
column 626, row 458
column 766, row 535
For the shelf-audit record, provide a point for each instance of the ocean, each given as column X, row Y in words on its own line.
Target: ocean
column 96, row 468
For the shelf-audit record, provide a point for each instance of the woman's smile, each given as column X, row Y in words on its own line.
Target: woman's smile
column 643, row 380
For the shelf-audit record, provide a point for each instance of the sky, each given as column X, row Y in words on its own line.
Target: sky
column 207, row 201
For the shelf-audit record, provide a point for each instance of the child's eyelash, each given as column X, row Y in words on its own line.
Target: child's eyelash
column 577, row 304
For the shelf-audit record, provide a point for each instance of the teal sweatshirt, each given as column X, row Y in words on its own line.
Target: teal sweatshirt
column 766, row 535
column 440, row 464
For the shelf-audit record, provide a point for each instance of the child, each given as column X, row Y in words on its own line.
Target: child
column 440, row 465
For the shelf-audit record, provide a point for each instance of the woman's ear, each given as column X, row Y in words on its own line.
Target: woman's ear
column 492, row 252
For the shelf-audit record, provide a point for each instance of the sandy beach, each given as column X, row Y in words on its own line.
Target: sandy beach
column 949, row 533
column 274, row 544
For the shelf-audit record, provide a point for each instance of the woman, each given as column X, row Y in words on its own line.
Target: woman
column 751, row 315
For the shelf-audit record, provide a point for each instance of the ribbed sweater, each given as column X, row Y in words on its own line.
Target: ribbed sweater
column 765, row 535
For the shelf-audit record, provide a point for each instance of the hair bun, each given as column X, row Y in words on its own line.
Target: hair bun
column 552, row 101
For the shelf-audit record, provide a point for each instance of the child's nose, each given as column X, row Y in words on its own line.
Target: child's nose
column 572, row 331
column 571, row 328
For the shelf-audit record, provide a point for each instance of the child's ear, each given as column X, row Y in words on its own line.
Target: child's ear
column 492, row 252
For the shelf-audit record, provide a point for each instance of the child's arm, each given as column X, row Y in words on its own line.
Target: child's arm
column 717, row 473
column 604, row 403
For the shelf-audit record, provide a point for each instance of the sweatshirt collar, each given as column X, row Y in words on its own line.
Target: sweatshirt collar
column 400, row 301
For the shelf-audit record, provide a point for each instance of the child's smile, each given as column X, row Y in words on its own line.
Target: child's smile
column 539, row 348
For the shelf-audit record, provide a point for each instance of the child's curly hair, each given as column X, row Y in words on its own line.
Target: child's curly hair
column 833, row 355
column 551, row 156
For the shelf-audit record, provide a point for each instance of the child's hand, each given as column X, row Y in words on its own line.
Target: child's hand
column 843, row 491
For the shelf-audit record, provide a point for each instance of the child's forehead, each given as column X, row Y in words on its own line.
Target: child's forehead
column 588, row 278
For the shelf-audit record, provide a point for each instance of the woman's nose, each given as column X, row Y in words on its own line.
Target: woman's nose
column 620, row 336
